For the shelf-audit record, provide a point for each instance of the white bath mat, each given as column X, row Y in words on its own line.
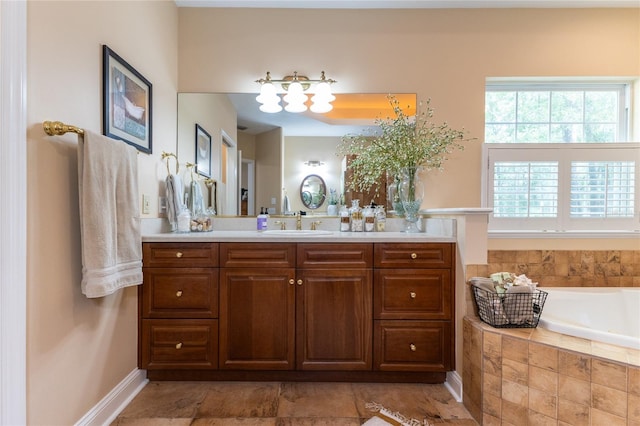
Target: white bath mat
column 385, row 417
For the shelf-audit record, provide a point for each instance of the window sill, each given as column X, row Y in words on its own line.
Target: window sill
column 562, row 234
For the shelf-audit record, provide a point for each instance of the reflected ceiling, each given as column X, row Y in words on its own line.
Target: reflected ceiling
column 352, row 113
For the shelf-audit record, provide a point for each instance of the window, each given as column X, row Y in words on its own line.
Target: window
column 558, row 158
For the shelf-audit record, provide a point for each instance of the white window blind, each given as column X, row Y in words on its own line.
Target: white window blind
column 558, row 157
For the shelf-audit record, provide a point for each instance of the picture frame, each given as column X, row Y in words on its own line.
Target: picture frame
column 203, row 151
column 127, row 102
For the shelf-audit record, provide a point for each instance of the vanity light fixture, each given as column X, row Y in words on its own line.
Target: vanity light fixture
column 295, row 88
column 314, row 163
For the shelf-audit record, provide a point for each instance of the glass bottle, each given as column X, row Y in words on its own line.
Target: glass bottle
column 345, row 219
column 381, row 218
column 357, row 220
column 369, row 219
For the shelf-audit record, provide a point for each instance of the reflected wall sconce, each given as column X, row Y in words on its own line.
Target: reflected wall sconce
column 295, row 88
column 314, row 163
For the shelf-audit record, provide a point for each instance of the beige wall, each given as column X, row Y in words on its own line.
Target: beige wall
column 79, row 349
column 442, row 54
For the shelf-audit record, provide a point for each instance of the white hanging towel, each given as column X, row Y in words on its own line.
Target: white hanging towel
column 196, row 199
column 109, row 215
column 175, row 198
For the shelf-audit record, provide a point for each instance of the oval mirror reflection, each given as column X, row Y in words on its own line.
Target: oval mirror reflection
column 312, row 191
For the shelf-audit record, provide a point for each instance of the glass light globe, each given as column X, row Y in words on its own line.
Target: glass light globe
column 271, row 107
column 320, row 107
column 323, row 93
column 267, row 93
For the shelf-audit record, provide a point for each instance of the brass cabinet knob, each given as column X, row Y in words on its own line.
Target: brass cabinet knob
column 412, row 347
column 299, row 282
column 414, row 256
column 179, row 254
column 292, row 281
column 179, row 293
column 412, row 294
column 179, row 345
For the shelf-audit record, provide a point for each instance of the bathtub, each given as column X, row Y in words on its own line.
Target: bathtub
column 605, row 314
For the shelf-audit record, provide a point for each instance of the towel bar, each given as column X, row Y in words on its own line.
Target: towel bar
column 53, row 128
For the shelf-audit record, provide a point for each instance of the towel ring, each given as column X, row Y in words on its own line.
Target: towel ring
column 192, row 167
column 167, row 156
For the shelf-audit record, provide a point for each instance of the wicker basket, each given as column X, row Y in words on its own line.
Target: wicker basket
column 510, row 310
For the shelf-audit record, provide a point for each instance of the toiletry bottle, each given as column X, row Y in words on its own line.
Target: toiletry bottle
column 357, row 221
column 369, row 219
column 345, row 219
column 381, row 218
column 262, row 220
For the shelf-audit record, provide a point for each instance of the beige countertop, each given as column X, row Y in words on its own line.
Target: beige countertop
column 293, row 237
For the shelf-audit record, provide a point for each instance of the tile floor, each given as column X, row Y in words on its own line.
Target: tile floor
column 287, row 404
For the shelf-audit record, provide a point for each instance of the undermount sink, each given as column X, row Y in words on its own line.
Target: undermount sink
column 296, row 232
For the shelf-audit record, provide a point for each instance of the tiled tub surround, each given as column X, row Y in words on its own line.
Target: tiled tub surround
column 539, row 377
column 566, row 268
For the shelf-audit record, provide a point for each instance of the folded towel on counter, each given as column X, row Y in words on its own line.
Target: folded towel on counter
column 109, row 215
column 518, row 306
column 175, row 199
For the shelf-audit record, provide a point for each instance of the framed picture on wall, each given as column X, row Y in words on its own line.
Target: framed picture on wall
column 126, row 113
column 203, row 151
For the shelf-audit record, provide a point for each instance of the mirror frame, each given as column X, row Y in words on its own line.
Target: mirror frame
column 323, row 187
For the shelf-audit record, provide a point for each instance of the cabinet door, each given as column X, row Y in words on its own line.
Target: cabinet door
column 334, row 319
column 257, row 314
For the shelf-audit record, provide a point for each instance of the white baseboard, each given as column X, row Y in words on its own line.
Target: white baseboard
column 454, row 385
column 106, row 411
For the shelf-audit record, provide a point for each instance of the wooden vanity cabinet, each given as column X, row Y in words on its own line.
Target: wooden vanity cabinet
column 297, row 311
column 413, row 307
column 178, row 305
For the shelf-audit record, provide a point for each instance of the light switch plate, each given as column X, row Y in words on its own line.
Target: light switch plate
column 146, row 204
column 162, row 205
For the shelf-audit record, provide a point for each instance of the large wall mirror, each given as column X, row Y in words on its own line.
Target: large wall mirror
column 260, row 159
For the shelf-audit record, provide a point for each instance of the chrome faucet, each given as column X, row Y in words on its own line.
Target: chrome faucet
column 298, row 221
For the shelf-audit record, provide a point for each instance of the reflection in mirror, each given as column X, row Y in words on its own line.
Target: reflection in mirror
column 266, row 153
column 312, row 191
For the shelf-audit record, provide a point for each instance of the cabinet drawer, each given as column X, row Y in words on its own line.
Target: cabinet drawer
column 257, row 255
column 180, row 293
column 335, row 255
column 180, row 255
column 413, row 294
column 412, row 346
column 179, row 344
column 412, row 255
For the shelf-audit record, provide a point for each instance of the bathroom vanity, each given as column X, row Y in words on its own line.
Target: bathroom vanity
column 242, row 306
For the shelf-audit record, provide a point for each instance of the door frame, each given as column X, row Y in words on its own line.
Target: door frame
column 13, row 228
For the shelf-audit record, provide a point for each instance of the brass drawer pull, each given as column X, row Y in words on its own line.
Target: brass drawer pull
column 299, row 282
column 292, row 281
column 412, row 347
column 414, row 256
column 179, row 254
column 179, row 345
column 179, row 293
column 412, row 294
